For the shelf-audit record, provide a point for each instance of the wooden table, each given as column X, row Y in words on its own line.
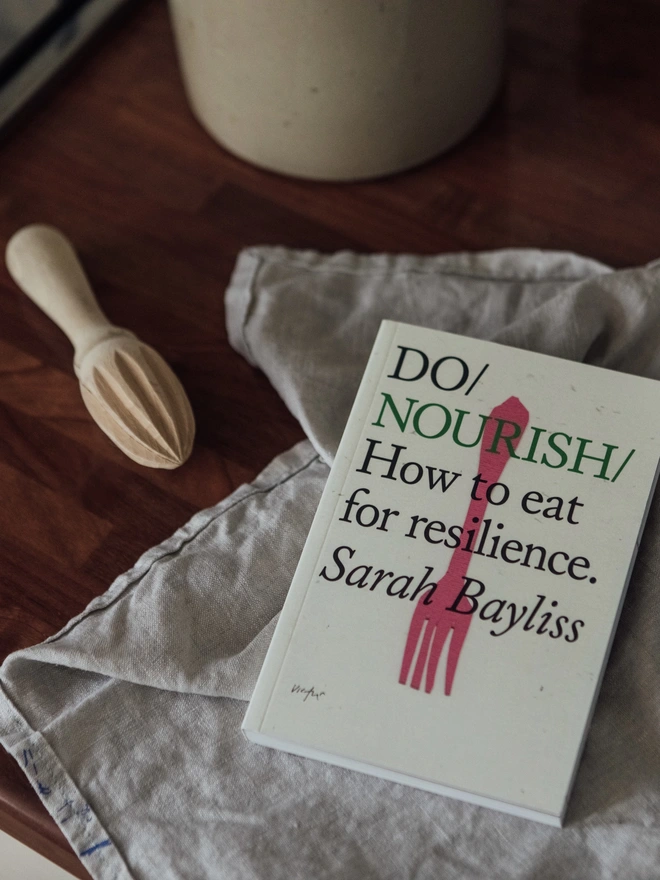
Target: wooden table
column 569, row 158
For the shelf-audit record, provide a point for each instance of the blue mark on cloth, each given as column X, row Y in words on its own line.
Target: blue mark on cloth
column 84, row 813
column 68, row 809
column 68, row 806
column 91, row 849
column 28, row 759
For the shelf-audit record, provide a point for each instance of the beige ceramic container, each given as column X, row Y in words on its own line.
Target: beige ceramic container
column 339, row 89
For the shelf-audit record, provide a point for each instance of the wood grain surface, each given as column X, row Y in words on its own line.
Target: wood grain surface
column 568, row 158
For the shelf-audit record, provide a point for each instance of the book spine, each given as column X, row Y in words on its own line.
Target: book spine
column 268, row 677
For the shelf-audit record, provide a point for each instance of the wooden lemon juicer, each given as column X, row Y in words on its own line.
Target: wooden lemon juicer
column 129, row 390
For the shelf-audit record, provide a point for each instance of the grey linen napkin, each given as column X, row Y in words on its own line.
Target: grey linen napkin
column 127, row 722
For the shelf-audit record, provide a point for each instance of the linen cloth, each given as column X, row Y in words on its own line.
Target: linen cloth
column 127, row 722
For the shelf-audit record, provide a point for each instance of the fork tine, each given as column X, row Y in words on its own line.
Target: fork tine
column 454, row 652
column 443, row 631
column 412, row 641
column 422, row 657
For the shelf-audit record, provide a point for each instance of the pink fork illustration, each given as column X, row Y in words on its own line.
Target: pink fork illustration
column 439, row 619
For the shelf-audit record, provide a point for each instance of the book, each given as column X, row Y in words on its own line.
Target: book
column 451, row 614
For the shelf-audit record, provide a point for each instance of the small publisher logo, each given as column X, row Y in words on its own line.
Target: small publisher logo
column 306, row 693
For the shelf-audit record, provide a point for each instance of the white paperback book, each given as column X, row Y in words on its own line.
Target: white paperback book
column 453, row 609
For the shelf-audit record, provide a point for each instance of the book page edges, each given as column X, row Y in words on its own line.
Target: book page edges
column 403, row 779
column 615, row 625
column 303, row 576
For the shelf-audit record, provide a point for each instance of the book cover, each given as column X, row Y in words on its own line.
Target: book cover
column 452, row 612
